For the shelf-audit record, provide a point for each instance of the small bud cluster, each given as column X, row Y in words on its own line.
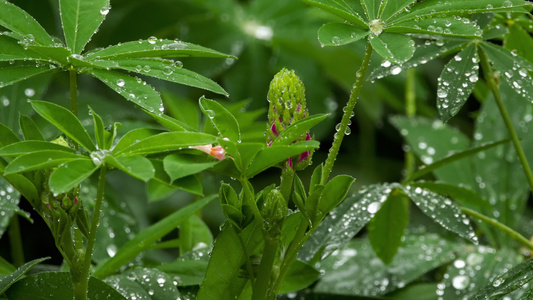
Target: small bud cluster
column 287, row 105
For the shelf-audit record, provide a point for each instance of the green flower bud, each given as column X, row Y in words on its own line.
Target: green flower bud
column 274, row 211
column 287, row 105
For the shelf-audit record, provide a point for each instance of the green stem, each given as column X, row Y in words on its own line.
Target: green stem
column 73, row 91
column 80, row 289
column 287, row 177
column 490, row 78
column 249, row 197
column 356, row 90
column 513, row 234
column 264, row 274
column 410, row 111
column 17, row 252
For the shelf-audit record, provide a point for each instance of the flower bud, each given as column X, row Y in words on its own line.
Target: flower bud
column 274, row 211
column 287, row 105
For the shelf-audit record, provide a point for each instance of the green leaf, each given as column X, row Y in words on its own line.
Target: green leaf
column 166, row 141
column 438, row 26
column 160, row 186
column 5, row 267
column 519, row 40
column 443, row 211
column 154, row 48
column 270, row 156
column 7, row 136
column 80, row 20
column 58, row 54
column 180, row 164
column 100, row 133
column 345, row 221
column 299, row 276
column 457, row 81
column 337, row 34
column 242, row 153
column 19, row 71
column 163, row 69
column 371, row 8
column 10, row 49
column 136, row 166
column 58, row 286
column 334, row 192
column 144, row 283
column 65, row 121
column 393, row 7
column 190, row 272
column 222, row 119
column 9, row 204
column 20, row 22
column 386, row 229
column 512, row 69
column 71, row 174
column 316, row 178
column 10, row 279
column 21, row 184
column 171, row 123
column 297, row 129
column 433, row 8
column 355, row 270
column 507, row 282
column 466, row 197
column 131, row 88
column 30, row 131
column 351, row 11
column 26, row 147
column 452, row 158
column 194, row 233
column 134, row 136
column 146, row 238
column 40, row 160
column 393, row 47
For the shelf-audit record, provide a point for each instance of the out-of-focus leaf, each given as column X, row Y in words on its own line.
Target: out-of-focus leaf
column 9, row 200
column 463, row 195
column 190, row 272
column 26, row 147
column 180, row 165
column 18, row 71
column 299, row 276
column 507, row 282
column 8, row 280
column 166, row 141
column 40, row 160
column 144, row 283
column 519, row 41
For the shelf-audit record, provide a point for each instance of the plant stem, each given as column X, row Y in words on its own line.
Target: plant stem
column 513, row 234
column 73, row 91
column 410, row 112
column 262, row 289
column 17, row 252
column 348, row 110
column 249, row 197
column 80, row 289
column 287, row 178
column 489, row 77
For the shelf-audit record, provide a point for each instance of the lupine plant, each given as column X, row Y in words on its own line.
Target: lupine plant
column 295, row 236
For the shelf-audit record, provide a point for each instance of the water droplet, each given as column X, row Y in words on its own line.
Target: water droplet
column 385, row 63
column 121, row 82
column 460, row 282
column 396, row 70
column 29, row 92
column 152, row 40
column 441, row 93
column 178, row 64
column 5, row 101
column 335, row 40
column 473, row 78
column 168, row 70
column 111, row 250
column 105, row 10
column 374, row 207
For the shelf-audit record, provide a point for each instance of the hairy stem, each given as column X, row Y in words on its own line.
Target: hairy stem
column 348, row 110
column 491, row 80
column 513, row 234
column 80, row 290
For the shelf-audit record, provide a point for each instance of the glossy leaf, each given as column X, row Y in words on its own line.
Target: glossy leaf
column 337, row 34
column 457, row 81
column 452, row 27
column 299, row 276
column 20, row 22
column 10, row 49
column 190, row 272
column 58, row 286
column 180, row 165
column 11, row 278
column 30, row 131
column 393, row 47
column 297, row 129
column 270, row 156
column 26, row 147
column 225, row 123
column 67, row 176
column 242, row 153
column 392, row 8
column 386, row 229
column 5, row 267
column 507, row 282
column 80, row 20
column 146, row 238
column 166, row 141
column 22, row 184
column 511, row 69
column 7, row 136
column 443, row 211
column 355, row 270
column 40, row 160
column 134, row 136
column 154, row 48
column 133, row 89
column 465, row 196
column 171, row 123
column 19, row 71
column 163, row 69
column 100, row 133
column 57, row 54
column 9, row 200
column 334, row 192
column 351, row 11
column 65, row 121
column 136, row 166
column 519, row 40
column 144, row 283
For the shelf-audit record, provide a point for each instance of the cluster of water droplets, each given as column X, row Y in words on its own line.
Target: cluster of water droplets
column 9, row 199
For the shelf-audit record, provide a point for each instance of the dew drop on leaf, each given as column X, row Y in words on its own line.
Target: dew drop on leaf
column 152, row 40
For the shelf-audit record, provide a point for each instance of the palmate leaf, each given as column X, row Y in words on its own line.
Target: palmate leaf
column 10, row 49
column 395, row 7
column 154, row 48
column 160, row 68
column 10, row 279
column 20, row 22
column 29, row 129
column 457, row 82
column 393, row 47
column 65, row 121
column 25, row 147
column 508, row 282
column 80, row 20
column 337, row 34
column 18, row 71
column 438, row 26
column 131, row 88
column 352, row 11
